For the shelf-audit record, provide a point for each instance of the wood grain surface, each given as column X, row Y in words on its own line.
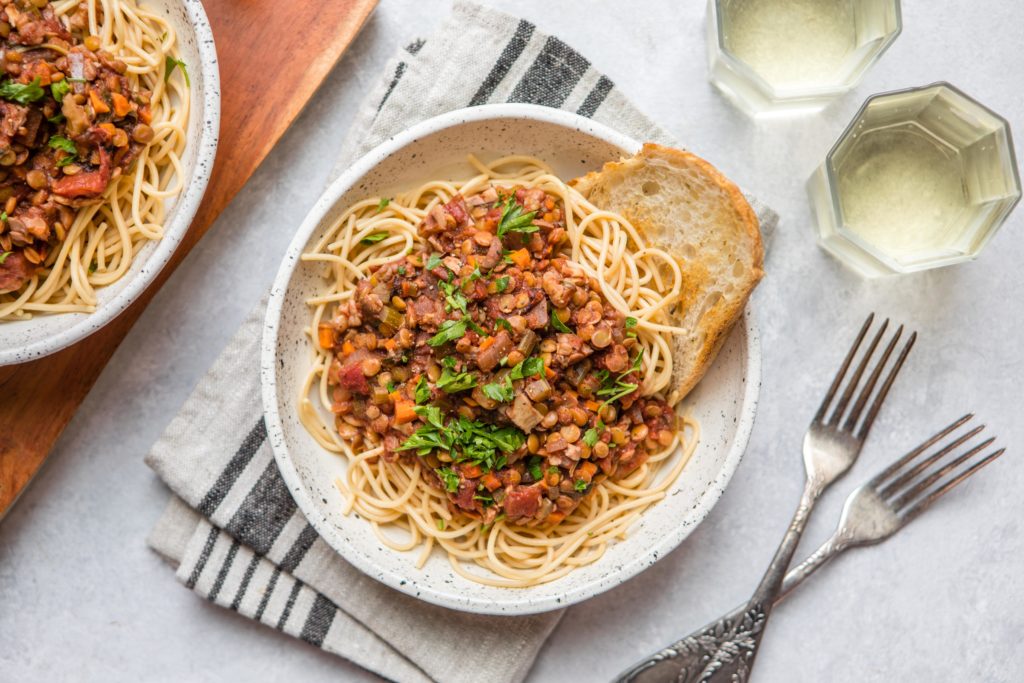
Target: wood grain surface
column 267, row 75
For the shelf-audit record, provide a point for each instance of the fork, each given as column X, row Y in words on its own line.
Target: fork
column 872, row 513
column 897, row 495
column 725, row 649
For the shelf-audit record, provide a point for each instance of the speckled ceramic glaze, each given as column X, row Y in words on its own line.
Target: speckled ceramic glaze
column 42, row 335
column 724, row 402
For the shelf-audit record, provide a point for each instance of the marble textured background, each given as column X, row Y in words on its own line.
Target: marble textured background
column 82, row 598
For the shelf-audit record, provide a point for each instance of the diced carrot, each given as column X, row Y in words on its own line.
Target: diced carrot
column 593, row 406
column 108, row 128
column 491, row 482
column 586, row 471
column 472, row 471
column 471, row 259
column 146, row 114
column 121, row 105
column 98, row 105
column 486, row 342
column 549, row 373
column 325, row 335
column 556, row 517
column 347, row 348
column 390, row 344
column 520, row 257
column 405, row 411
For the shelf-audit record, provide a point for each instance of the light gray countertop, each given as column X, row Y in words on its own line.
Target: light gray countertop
column 82, row 598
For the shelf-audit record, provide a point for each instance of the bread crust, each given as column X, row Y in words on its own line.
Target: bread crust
column 740, row 238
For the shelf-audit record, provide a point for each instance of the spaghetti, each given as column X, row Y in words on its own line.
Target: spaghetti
column 124, row 72
column 634, row 446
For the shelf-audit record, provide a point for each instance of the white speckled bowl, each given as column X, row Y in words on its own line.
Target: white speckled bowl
column 22, row 341
column 724, row 402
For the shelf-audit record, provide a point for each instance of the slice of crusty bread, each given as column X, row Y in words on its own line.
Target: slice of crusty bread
column 682, row 204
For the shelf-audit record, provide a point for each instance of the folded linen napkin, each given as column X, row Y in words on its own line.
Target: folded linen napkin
column 231, row 527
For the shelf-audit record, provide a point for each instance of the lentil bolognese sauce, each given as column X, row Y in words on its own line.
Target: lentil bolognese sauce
column 92, row 127
column 492, row 360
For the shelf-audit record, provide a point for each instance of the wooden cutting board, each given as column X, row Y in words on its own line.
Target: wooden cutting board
column 273, row 55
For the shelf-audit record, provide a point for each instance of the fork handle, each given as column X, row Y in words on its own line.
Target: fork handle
column 836, row 544
column 771, row 583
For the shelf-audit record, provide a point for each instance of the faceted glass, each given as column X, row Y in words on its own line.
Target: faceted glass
column 782, row 56
column 920, row 178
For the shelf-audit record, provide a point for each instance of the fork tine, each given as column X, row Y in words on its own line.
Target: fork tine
column 843, row 368
column 851, row 385
column 876, row 405
column 865, row 394
column 899, row 464
column 923, row 504
column 906, row 477
column 919, row 487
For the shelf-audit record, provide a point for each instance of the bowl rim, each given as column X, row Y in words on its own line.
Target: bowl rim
column 175, row 229
column 517, row 603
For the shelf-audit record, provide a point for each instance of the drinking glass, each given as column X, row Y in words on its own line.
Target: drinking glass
column 920, row 178
column 786, row 56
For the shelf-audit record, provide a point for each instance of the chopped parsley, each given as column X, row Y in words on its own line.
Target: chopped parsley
column 552, row 470
column 501, row 284
column 449, row 478
column 450, row 330
column 22, row 93
column 422, row 391
column 441, row 524
column 500, row 392
column 453, row 297
column 59, row 89
column 391, row 387
column 501, row 322
column 514, row 220
column 434, row 261
column 3, row 216
column 482, row 444
column 591, row 437
column 451, row 382
column 631, row 322
column 373, row 238
column 534, row 468
column 580, row 485
column 401, row 270
column 527, row 368
column 170, row 64
column 616, row 389
column 3, row 256
column 557, row 323
column 475, row 275
column 383, row 204
column 65, row 145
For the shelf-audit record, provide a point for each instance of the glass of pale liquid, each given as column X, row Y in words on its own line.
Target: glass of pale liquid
column 788, row 56
column 920, row 178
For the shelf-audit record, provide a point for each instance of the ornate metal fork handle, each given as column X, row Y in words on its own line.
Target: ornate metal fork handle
column 726, row 648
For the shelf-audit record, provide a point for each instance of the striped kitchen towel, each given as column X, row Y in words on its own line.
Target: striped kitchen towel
column 231, row 527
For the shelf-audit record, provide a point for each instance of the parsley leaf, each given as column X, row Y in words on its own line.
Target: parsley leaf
column 580, row 485
column 500, row 392
column 449, row 478
column 65, row 145
column 558, row 324
column 59, row 90
column 401, row 270
column 527, row 368
column 383, row 203
column 475, row 275
column 450, row 330
column 467, row 440
column 373, row 238
column 591, row 437
column 501, row 284
column 514, row 220
column 3, row 256
column 21, row 93
column 441, row 524
column 534, row 467
column 451, row 382
column 170, row 64
column 501, row 322
column 433, row 262
column 391, row 387
column 631, row 322
column 453, row 296
column 3, row 216
column 422, row 391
